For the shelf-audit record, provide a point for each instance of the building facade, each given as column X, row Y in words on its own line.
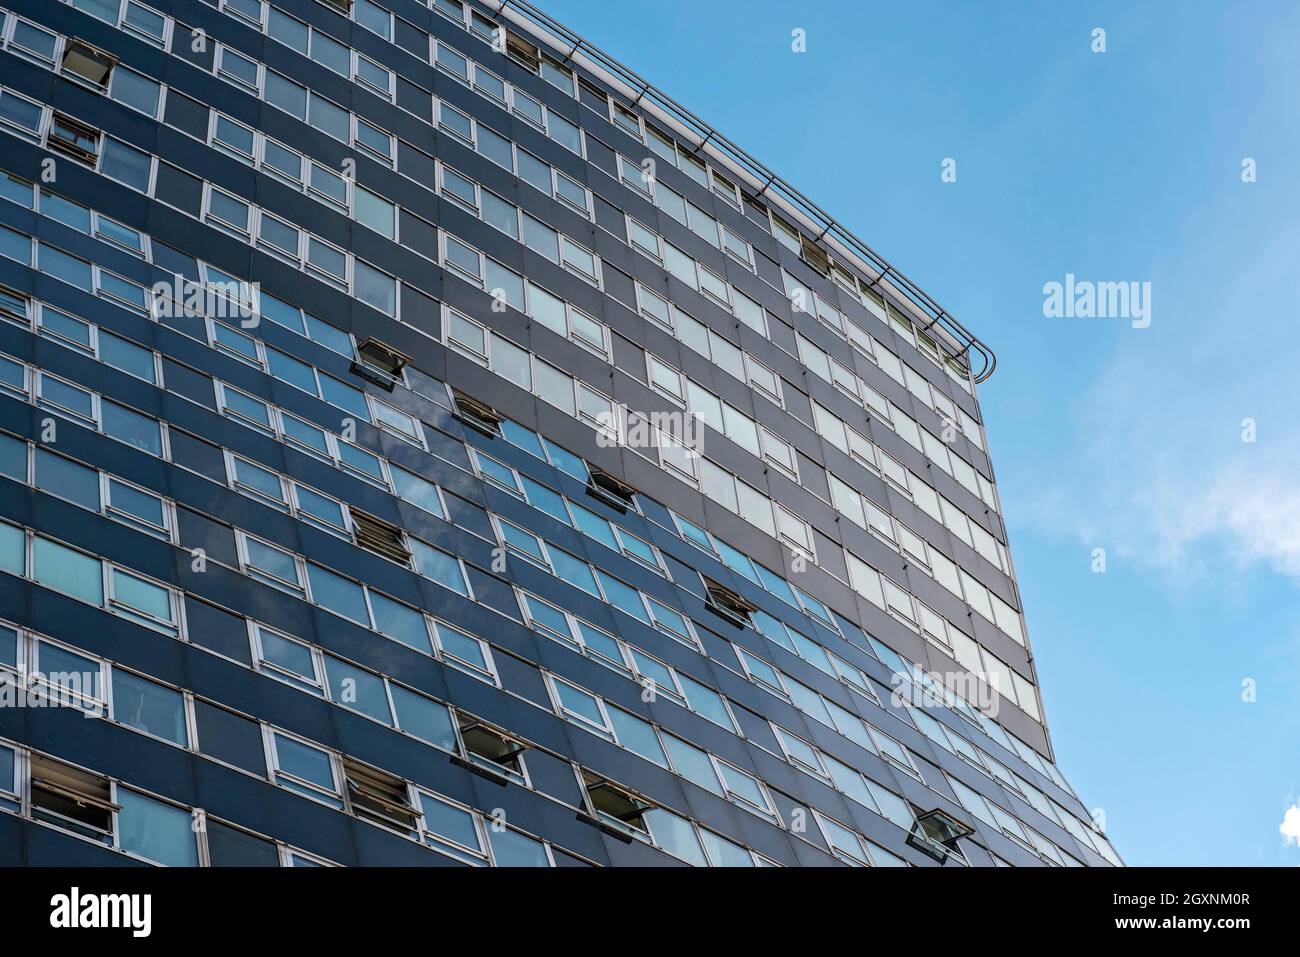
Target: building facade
column 424, row 443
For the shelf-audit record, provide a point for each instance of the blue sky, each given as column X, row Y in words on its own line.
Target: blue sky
column 1119, row 166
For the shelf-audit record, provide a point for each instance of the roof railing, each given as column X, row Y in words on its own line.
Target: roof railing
column 706, row 135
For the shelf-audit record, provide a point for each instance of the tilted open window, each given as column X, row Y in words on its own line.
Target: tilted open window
column 492, row 750
column 477, row 414
column 380, row 363
column 72, row 799
column 379, row 797
column 89, row 64
column 614, row 492
column 615, row 807
column 74, row 138
column 936, row 834
column 523, row 51
column 380, row 537
column 815, row 256
column 727, row 603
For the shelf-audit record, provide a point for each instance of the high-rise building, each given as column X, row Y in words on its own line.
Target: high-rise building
column 424, row 442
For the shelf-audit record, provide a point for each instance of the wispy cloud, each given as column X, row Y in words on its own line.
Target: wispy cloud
column 1158, row 467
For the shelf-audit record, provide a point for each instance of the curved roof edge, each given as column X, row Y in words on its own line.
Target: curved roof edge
column 762, row 181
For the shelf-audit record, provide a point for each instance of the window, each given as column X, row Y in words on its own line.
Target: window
column 615, row 806
column 451, row 828
column 162, row 833
column 729, row 604
column 358, row 690
column 582, row 708
column 126, row 164
column 238, row 69
column 136, row 91
column 142, row 601
column 67, row 479
column 272, row 565
column 304, row 768
column 34, row 43
column 89, row 64
column 72, row 799
column 380, row 537
column 70, row 679
column 149, row 707
column 67, row 571
column 338, row 594
column 22, row 116
column 493, row 750
column 70, row 137
column 379, row 797
column 286, row 658
column 131, row 427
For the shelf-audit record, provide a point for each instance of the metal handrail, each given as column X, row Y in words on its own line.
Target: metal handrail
column 769, row 180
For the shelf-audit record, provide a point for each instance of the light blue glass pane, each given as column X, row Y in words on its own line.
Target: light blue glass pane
column 156, row 831
column 140, row 594
column 637, row 736
column 68, row 571
column 345, row 397
column 675, row 835
column 303, row 761
column 399, row 622
column 623, row 597
column 439, row 566
column 336, row 340
column 723, row 853
column 13, row 545
column 594, row 526
column 462, row 646
column 449, row 822
column 338, row 594
column 571, row 570
column 693, row 764
column 149, row 707
column 282, row 314
column 512, row 849
column 291, row 370
column 358, row 689
column 126, row 356
column 132, row 428
column 566, row 461
column 424, row 718
column 777, row 586
column 126, row 164
column 541, row 497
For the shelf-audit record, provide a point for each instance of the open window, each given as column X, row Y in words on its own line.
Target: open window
column 936, row 834
column 614, row 492
column 523, row 51
column 89, row 64
column 342, row 6
column 477, row 414
column 74, row 138
column 379, row 797
column 815, row 256
column 728, row 604
column 72, row 799
column 15, row 306
column 491, row 750
column 382, row 538
column 616, row 809
column 380, row 363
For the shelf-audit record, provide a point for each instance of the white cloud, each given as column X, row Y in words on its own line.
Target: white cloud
column 1156, row 467
column 1290, row 826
